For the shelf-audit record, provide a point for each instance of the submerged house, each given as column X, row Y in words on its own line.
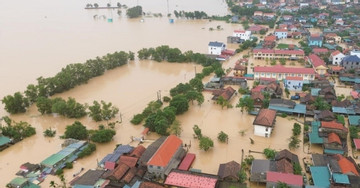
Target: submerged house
column 264, row 122
column 226, row 93
column 68, row 154
column 216, row 48
column 229, row 171
column 287, row 106
column 167, row 157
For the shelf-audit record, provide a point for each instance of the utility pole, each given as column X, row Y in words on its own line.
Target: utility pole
column 120, row 117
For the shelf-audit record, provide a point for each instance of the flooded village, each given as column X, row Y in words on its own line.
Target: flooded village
column 244, row 94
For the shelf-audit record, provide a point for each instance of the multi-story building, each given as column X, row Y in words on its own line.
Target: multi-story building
column 280, row 72
column 350, row 62
column 278, row 54
column 244, row 35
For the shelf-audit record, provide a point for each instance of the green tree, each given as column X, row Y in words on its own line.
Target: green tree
column 242, row 176
column 108, row 111
column 49, row 132
column 282, row 61
column 223, row 137
column 90, row 148
column 192, row 95
column 222, row 102
column 134, row 12
column 95, row 111
column 294, row 142
column 206, row 143
column 175, row 128
column 103, row 135
column 246, row 103
column 197, row 84
column 197, row 131
column 15, row 104
column 76, row 131
column 297, row 168
column 31, row 93
column 44, row 105
column 219, row 72
column 180, row 103
column 282, row 185
column 269, row 153
column 296, row 129
column 16, row 130
column 321, row 104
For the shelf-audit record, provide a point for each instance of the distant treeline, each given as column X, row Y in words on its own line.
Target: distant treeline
column 69, row 77
column 165, row 53
column 191, row 15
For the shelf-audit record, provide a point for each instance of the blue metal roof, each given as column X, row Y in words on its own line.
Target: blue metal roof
column 315, row 91
column 123, row 149
column 314, row 134
column 351, row 58
column 342, row 110
column 299, row 109
column 320, row 175
column 333, row 151
column 106, row 158
column 216, row 44
column 341, row 178
column 114, row 157
column 354, row 120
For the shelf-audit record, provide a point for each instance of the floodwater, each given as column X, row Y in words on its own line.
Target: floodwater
column 38, row 40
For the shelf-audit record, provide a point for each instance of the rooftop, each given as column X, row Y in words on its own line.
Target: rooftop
column 347, row 166
column 265, row 117
column 357, row 143
column 216, row 44
column 321, row 176
column 316, row 61
column 333, row 137
column 166, row 151
column 333, row 125
column 230, row 169
column 289, row 179
column 182, row 179
column 282, row 69
column 187, row 161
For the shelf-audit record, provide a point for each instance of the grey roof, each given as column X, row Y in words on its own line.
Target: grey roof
column 351, row 58
column 276, row 102
column 89, row 178
column 334, row 165
column 216, row 44
column 260, row 165
column 320, row 159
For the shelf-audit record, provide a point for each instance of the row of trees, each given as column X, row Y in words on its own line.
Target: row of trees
column 191, row 15
column 69, row 77
column 72, row 109
column 165, row 53
column 78, row 131
column 205, row 143
column 16, row 130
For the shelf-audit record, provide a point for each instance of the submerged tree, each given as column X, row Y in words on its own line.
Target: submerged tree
column 223, row 137
column 206, row 143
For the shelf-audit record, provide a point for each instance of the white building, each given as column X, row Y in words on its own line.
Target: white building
column 245, row 35
column 336, row 57
column 264, row 122
column 281, row 33
column 216, row 48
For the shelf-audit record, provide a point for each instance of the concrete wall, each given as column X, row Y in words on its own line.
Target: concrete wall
column 281, row 76
column 260, row 130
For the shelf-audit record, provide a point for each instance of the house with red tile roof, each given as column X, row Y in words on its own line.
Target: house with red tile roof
column 258, row 13
column 274, row 178
column 258, row 98
column 319, row 51
column 226, row 93
column 333, row 127
column 333, row 144
column 167, row 157
column 255, row 29
column 229, row 171
column 294, row 83
column 263, row 53
column 317, row 63
column 347, row 166
column 264, row 122
column 280, row 72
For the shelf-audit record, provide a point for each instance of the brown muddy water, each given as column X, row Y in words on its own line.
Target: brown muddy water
column 41, row 37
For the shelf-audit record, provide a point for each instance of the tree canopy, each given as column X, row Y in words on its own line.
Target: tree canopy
column 76, row 131
column 134, row 12
column 206, row 143
column 16, row 103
